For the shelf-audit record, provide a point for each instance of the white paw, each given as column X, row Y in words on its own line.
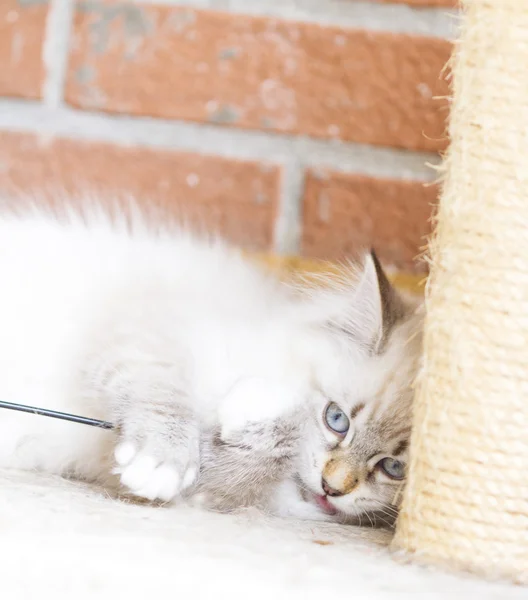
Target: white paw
column 255, row 401
column 151, row 478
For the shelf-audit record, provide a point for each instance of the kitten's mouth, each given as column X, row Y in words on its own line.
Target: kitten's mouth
column 320, row 500
column 324, row 504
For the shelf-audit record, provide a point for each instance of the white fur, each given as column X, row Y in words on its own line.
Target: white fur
column 62, row 281
column 88, row 287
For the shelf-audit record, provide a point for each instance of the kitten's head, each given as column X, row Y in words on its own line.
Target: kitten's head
column 367, row 348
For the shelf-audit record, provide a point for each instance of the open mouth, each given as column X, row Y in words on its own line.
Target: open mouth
column 324, row 504
column 320, row 500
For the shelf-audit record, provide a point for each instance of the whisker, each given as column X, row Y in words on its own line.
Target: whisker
column 389, row 524
column 383, row 505
column 389, row 510
column 371, row 521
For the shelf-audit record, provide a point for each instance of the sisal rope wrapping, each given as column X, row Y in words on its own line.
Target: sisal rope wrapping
column 466, row 502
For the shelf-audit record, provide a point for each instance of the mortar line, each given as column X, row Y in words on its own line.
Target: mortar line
column 288, row 222
column 400, row 18
column 239, row 144
column 56, row 49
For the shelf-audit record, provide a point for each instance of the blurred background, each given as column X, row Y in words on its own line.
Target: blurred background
column 295, row 127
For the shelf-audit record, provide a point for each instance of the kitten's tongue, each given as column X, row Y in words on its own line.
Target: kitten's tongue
column 324, row 505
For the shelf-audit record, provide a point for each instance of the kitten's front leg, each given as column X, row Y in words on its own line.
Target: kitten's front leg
column 242, row 467
column 254, row 400
column 157, row 454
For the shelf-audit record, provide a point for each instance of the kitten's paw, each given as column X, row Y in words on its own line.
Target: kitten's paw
column 155, row 476
column 255, row 401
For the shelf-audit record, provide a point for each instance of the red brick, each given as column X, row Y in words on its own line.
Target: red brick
column 236, row 198
column 344, row 214
column 259, row 73
column 22, row 28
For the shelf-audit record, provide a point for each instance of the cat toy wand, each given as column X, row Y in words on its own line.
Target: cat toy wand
column 57, row 415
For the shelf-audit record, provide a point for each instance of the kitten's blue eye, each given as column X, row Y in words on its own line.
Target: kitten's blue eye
column 336, row 420
column 393, row 468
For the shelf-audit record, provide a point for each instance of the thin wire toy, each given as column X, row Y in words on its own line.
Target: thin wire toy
column 57, row 415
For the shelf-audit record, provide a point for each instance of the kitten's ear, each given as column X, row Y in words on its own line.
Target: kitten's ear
column 375, row 306
column 392, row 305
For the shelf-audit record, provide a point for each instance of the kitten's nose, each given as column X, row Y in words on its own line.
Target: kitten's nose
column 330, row 491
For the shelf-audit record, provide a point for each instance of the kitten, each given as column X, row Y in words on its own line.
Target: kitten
column 226, row 385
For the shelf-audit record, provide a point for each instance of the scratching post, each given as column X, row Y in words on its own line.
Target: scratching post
column 466, row 503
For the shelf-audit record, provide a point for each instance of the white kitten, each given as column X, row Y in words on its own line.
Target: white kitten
column 224, row 384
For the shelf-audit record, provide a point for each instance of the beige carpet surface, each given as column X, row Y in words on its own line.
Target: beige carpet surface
column 66, row 540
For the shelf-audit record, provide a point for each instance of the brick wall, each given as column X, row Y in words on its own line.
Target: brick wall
column 296, row 126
